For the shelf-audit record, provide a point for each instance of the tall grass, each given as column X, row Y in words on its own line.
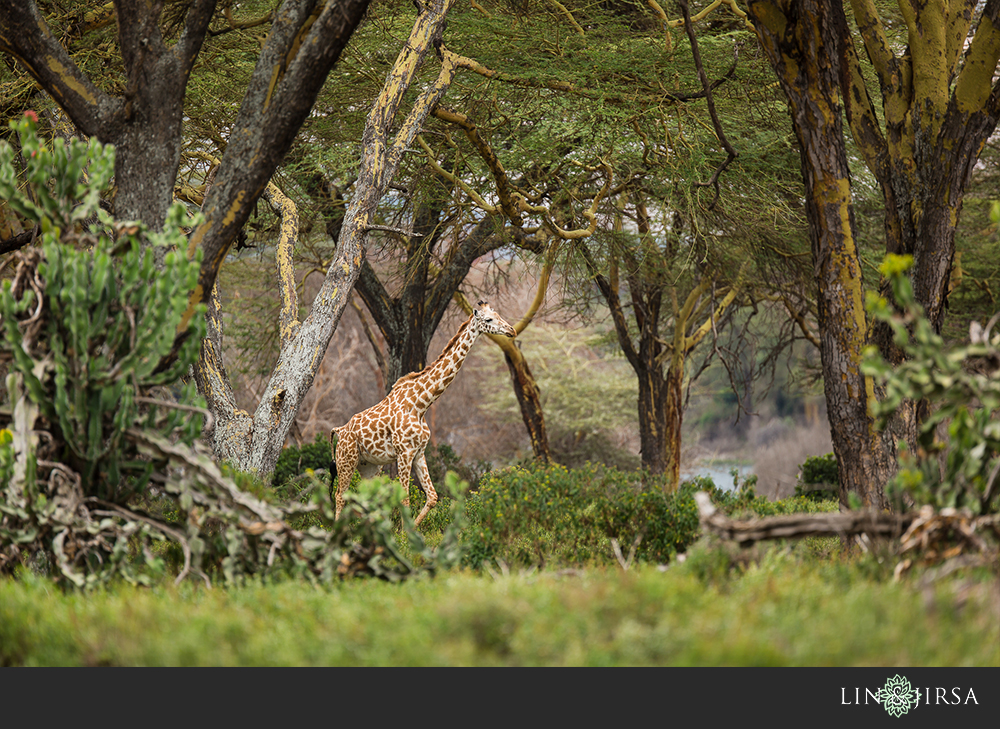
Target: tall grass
column 777, row 609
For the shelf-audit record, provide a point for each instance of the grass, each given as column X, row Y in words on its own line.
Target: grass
column 772, row 607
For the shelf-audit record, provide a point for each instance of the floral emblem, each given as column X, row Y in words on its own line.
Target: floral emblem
column 897, row 696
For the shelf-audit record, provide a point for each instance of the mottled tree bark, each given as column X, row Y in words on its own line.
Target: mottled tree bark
column 801, row 42
column 940, row 106
column 145, row 124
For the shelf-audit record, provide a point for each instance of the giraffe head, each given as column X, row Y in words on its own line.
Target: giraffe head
column 487, row 321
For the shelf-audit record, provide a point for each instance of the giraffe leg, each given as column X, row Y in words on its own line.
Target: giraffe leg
column 425, row 483
column 404, row 461
column 347, row 461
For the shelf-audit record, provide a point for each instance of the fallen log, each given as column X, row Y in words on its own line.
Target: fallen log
column 796, row 526
column 920, row 529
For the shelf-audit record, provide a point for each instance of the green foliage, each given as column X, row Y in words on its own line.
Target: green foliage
column 959, row 384
column 296, row 461
column 820, row 470
column 743, row 501
column 295, row 465
column 550, row 514
column 368, row 526
column 65, row 181
column 91, row 338
column 543, row 515
column 443, row 458
column 88, row 321
column 822, row 474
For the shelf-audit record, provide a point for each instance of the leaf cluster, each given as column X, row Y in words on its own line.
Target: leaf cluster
column 819, row 478
column 962, row 394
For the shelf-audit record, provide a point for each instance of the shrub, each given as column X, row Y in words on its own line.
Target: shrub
column 89, row 324
column 819, row 479
column 290, row 478
column 443, row 458
column 296, row 461
column 549, row 514
column 959, row 384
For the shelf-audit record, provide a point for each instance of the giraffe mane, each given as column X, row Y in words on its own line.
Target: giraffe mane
column 447, row 348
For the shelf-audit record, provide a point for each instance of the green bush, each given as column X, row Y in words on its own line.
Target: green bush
column 296, row 461
column 89, row 345
column 294, row 464
column 545, row 514
column 820, row 478
column 89, row 325
column 443, row 458
column 550, row 515
column 960, row 385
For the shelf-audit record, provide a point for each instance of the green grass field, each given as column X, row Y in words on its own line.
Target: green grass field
column 778, row 608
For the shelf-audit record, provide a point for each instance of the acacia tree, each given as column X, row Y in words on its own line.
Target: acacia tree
column 544, row 121
column 305, row 39
column 255, row 441
column 145, row 121
column 441, row 221
column 690, row 307
column 684, row 214
column 940, row 104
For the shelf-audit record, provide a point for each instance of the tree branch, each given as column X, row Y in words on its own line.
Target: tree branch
column 609, row 290
column 696, row 55
column 299, row 52
column 25, row 35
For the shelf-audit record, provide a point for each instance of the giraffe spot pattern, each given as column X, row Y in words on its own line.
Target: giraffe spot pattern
column 395, row 428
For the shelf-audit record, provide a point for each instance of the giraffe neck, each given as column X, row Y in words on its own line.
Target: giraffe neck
column 429, row 384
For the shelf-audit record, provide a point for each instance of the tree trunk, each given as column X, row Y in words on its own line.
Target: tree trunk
column 800, row 40
column 408, row 322
column 144, row 125
column 303, row 44
column 255, row 443
column 940, row 104
column 673, row 417
column 654, row 428
column 529, row 400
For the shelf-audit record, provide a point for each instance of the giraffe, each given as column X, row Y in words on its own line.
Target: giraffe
column 395, row 427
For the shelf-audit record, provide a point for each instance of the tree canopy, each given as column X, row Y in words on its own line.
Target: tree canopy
column 642, row 151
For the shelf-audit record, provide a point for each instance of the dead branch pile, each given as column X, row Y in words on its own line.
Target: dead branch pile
column 928, row 535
